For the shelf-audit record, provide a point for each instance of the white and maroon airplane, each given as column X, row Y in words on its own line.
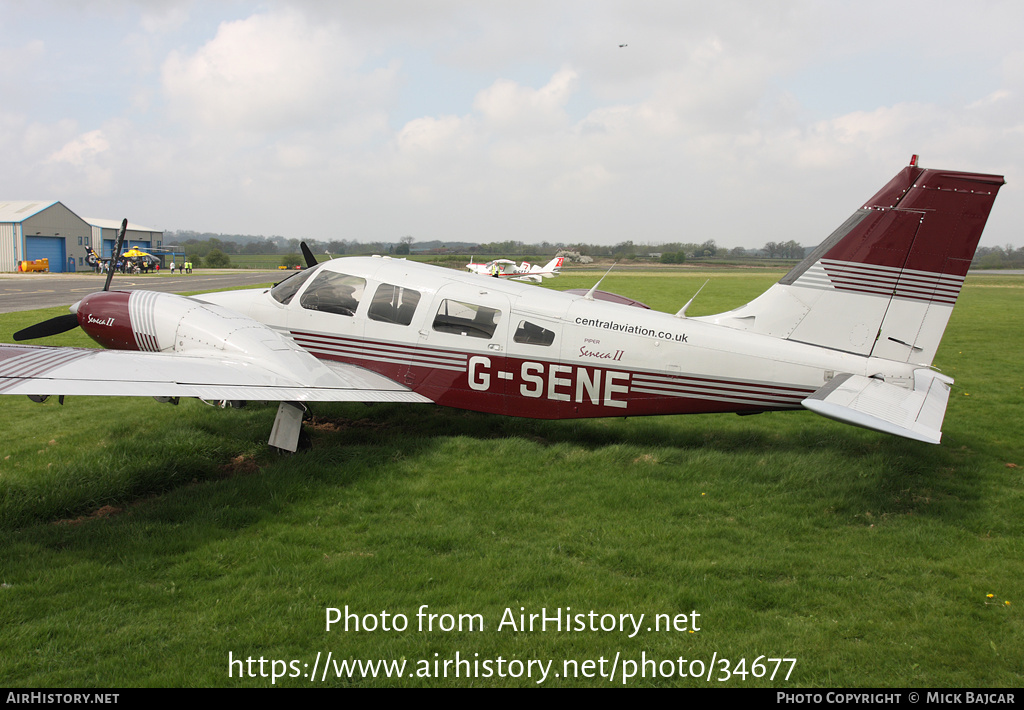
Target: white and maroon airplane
column 850, row 333
column 506, row 268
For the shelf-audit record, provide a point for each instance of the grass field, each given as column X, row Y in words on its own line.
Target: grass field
column 145, row 545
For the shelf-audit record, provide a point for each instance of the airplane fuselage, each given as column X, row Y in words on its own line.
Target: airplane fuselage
column 487, row 345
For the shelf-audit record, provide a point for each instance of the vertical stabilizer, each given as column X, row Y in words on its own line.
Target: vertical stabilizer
column 885, row 282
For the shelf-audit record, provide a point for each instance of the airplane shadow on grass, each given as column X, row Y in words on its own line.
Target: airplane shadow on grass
column 356, row 442
column 891, row 473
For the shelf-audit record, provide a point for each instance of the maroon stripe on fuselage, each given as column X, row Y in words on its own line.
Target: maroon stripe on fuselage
column 545, row 389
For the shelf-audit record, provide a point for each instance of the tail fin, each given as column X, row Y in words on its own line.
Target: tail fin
column 549, row 269
column 884, row 283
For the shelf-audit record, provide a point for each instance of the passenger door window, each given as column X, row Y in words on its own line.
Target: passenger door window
column 467, row 319
column 532, row 334
column 393, row 304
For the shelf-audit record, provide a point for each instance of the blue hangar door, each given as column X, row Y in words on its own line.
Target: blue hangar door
column 51, row 248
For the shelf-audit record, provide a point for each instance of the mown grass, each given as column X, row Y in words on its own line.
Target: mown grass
column 140, row 544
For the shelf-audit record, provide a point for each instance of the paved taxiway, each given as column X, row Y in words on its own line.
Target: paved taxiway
column 23, row 292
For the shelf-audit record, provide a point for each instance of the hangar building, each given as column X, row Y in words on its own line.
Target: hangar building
column 41, row 229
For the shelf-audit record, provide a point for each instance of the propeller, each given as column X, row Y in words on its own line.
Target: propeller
column 117, row 253
column 62, row 324
column 307, row 255
column 54, row 326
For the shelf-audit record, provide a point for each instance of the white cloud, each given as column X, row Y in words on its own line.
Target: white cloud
column 993, row 98
column 435, row 136
column 81, row 149
column 510, row 107
column 270, row 72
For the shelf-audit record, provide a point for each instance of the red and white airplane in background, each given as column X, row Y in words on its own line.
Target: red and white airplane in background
column 506, row 268
column 850, row 333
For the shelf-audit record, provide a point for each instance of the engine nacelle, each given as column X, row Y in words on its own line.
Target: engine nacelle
column 165, row 322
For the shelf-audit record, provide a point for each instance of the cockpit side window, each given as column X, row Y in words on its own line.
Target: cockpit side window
column 332, row 292
column 533, row 334
column 466, row 319
column 284, row 290
column 393, row 304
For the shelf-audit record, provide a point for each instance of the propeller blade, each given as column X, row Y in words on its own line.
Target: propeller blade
column 307, row 255
column 54, row 326
column 116, row 255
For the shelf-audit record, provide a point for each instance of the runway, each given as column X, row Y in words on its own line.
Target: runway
column 24, row 292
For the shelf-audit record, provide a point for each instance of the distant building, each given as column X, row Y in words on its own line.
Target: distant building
column 47, row 229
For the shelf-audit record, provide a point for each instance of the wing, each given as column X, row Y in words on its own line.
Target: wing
column 41, row 370
column 165, row 345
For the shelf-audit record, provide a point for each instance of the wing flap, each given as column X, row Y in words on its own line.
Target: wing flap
column 873, row 404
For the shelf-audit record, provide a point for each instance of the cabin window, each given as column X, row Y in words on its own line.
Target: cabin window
column 466, row 319
column 533, row 334
column 332, row 292
column 393, row 304
column 284, row 290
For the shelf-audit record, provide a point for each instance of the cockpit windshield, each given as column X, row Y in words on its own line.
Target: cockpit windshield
column 284, row 291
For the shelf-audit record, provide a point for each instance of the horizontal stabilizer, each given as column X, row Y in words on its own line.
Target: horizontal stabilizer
column 873, row 404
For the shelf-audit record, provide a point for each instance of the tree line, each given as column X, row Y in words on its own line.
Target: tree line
column 201, row 244
column 216, row 249
column 1004, row 257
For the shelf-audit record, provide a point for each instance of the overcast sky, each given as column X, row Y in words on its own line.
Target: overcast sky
column 743, row 122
